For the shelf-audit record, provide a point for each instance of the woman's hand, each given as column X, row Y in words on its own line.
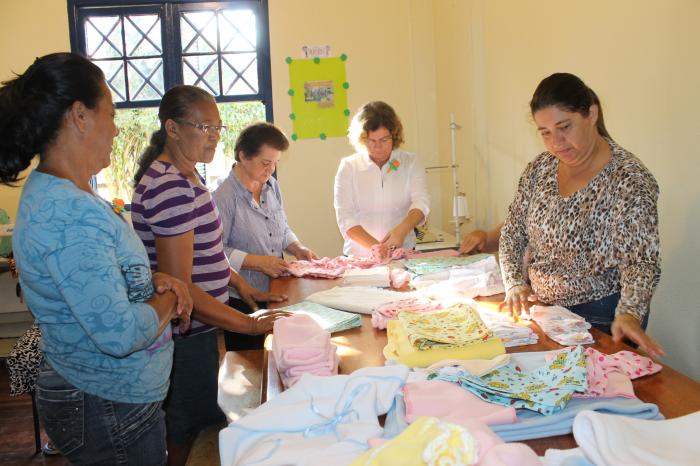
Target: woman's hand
column 250, row 295
column 518, row 299
column 628, row 326
column 473, row 242
column 269, row 265
column 263, row 320
column 162, row 283
column 394, row 239
column 305, row 254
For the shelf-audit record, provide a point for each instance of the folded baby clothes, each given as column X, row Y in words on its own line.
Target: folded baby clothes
column 319, row 421
column 432, row 442
column 374, row 276
column 428, row 441
column 438, row 253
column 390, row 311
column 545, row 390
column 427, row 265
column 457, row 326
column 360, row 299
column 451, row 403
column 608, row 440
column 300, row 345
column 502, row 325
column 331, row 320
column 562, row 325
column 399, row 348
column 532, row 425
column 477, row 367
column 611, row 375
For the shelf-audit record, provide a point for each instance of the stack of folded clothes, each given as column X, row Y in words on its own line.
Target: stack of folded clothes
column 375, row 276
column 562, row 325
column 331, row 320
column 301, row 346
column 419, row 339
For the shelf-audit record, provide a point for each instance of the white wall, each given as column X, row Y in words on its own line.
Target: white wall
column 390, row 48
column 641, row 57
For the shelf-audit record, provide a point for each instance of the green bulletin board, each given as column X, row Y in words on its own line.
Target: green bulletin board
column 318, row 90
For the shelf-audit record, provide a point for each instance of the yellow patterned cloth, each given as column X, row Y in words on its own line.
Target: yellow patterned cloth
column 400, row 348
column 456, row 326
column 428, row 441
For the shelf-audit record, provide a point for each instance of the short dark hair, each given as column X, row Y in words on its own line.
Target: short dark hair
column 176, row 104
column 372, row 116
column 33, row 104
column 256, row 135
column 567, row 92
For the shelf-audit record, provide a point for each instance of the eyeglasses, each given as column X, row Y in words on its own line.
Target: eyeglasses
column 378, row 142
column 205, row 128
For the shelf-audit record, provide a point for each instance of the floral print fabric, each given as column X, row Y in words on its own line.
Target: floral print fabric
column 456, row 326
column 546, row 390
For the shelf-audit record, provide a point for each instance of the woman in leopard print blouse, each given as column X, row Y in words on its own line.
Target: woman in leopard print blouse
column 587, row 210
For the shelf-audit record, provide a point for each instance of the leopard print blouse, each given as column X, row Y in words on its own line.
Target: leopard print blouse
column 600, row 240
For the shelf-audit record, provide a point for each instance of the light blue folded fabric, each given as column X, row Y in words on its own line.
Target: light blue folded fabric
column 532, row 425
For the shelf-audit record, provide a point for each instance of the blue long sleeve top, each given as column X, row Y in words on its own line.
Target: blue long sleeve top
column 85, row 276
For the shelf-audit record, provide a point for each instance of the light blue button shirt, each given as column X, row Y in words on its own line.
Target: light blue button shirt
column 250, row 228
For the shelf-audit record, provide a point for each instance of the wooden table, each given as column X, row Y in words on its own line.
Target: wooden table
column 674, row 393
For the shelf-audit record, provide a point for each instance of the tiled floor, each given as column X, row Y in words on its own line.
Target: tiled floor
column 17, row 432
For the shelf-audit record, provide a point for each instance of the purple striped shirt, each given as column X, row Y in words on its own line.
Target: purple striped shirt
column 166, row 203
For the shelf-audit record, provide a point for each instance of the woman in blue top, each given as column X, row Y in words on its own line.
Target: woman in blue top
column 104, row 317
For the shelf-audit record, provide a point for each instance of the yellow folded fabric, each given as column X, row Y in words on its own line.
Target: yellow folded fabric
column 428, row 441
column 399, row 348
column 457, row 325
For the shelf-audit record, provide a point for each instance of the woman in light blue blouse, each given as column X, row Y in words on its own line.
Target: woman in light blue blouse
column 255, row 226
column 104, row 318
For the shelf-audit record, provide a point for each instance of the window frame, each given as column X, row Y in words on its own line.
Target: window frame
column 169, row 11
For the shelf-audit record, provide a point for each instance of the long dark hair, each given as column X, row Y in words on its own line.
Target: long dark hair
column 176, row 105
column 567, row 92
column 33, row 104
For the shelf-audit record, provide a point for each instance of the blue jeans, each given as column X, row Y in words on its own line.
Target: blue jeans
column 88, row 429
column 601, row 313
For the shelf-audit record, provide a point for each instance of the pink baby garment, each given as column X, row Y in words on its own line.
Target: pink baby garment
column 389, row 311
column 451, row 403
column 299, row 346
column 612, row 374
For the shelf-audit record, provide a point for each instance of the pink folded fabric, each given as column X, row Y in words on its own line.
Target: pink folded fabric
column 451, row 403
column 328, row 364
column 612, row 374
column 386, row 312
column 298, row 340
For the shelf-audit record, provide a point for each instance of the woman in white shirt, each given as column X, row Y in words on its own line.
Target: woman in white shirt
column 380, row 191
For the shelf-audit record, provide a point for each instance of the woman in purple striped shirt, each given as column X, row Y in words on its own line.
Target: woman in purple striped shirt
column 178, row 222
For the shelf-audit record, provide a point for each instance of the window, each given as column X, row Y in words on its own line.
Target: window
column 145, row 47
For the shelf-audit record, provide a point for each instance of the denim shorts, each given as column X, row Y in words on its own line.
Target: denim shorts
column 88, row 429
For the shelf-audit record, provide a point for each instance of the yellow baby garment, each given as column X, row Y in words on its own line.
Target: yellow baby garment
column 458, row 325
column 428, row 441
column 400, row 348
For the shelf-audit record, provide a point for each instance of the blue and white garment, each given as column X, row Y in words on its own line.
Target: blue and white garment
column 318, row 421
column 85, row 276
column 545, row 390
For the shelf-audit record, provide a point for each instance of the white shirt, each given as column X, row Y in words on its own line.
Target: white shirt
column 378, row 199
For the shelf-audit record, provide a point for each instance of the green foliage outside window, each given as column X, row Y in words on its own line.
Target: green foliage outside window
column 135, row 129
